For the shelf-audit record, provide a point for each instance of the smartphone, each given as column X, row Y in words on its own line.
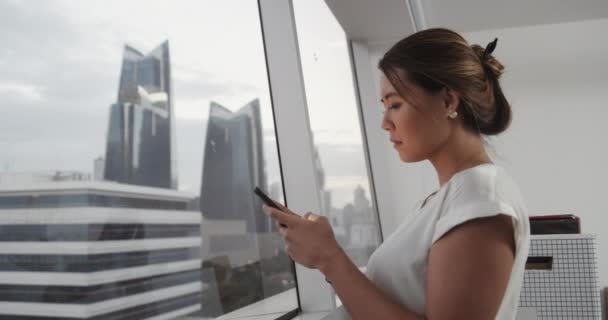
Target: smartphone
column 267, row 201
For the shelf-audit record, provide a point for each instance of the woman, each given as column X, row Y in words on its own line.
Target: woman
column 461, row 254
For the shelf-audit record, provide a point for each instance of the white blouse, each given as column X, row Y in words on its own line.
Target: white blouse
column 399, row 265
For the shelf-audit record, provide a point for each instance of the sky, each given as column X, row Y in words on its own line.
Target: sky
column 60, row 64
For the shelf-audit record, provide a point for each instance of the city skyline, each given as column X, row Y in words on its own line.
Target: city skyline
column 68, row 94
column 67, row 106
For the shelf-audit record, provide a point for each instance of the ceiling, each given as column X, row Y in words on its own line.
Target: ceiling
column 384, row 21
column 373, row 20
column 477, row 15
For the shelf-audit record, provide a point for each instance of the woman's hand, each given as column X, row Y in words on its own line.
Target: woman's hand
column 309, row 240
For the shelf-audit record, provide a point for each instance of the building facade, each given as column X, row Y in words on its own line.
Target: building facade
column 96, row 250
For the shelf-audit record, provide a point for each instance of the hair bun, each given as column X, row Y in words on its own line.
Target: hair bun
column 491, row 65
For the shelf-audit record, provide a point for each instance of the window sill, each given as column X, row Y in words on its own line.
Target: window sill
column 267, row 309
column 276, row 306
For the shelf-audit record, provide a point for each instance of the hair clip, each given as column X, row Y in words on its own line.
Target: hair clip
column 490, row 48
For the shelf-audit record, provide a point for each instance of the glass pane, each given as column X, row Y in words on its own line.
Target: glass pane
column 334, row 120
column 132, row 136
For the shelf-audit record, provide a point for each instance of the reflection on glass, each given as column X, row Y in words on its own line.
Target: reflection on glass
column 94, row 222
column 341, row 171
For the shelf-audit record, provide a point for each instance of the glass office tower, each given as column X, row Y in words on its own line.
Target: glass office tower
column 140, row 142
column 233, row 165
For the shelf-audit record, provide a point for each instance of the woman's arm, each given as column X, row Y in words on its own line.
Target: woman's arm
column 468, row 269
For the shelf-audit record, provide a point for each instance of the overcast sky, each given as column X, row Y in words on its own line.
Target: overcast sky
column 60, row 64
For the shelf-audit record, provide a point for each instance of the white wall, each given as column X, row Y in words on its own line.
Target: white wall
column 557, row 147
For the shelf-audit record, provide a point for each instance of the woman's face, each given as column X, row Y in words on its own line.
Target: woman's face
column 418, row 125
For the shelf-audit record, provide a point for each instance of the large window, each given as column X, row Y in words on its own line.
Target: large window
column 132, row 135
column 343, row 179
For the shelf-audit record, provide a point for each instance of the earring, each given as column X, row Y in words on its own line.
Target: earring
column 453, row 115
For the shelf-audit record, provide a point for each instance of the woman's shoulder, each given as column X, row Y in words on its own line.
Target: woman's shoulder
column 480, row 192
column 482, row 183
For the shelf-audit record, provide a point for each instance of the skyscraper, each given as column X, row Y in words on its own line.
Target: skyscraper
column 238, row 238
column 140, row 143
column 233, row 165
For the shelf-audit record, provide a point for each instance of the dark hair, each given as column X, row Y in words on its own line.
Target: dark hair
column 438, row 58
